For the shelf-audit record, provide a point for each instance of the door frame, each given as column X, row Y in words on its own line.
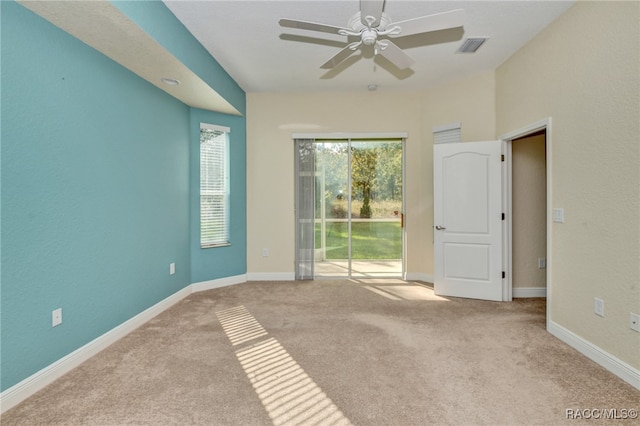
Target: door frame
column 538, row 126
column 349, row 136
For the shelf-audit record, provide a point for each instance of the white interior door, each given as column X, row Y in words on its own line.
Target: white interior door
column 468, row 219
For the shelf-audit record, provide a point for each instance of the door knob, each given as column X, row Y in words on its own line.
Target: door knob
column 440, row 228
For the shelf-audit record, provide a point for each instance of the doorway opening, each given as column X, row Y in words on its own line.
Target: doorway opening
column 349, row 207
column 529, row 228
column 527, row 240
column 474, row 212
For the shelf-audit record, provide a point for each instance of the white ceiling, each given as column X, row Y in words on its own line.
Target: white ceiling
column 261, row 56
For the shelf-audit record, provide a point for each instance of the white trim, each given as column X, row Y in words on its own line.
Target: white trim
column 616, row 366
column 214, row 127
column 507, row 223
column 220, row 282
column 271, row 276
column 418, row 276
column 27, row 387
column 447, row 127
column 403, row 218
column 544, row 124
column 524, row 131
column 523, row 292
column 346, row 135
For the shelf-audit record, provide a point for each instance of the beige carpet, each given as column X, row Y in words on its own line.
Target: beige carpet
column 334, row 352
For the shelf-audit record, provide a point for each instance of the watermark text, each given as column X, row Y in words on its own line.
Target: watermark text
column 601, row 413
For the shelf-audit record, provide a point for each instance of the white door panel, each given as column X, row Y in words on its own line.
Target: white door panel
column 468, row 219
column 467, row 261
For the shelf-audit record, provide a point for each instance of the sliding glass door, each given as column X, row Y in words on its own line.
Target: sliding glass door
column 332, row 223
column 358, row 205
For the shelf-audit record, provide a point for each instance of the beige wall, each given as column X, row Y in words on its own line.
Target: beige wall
column 529, row 203
column 272, row 118
column 582, row 71
column 471, row 102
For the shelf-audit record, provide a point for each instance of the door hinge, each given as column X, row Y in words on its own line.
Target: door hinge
column 504, row 275
column 502, row 216
column 502, row 157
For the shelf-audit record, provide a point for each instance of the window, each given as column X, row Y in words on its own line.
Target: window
column 448, row 133
column 214, row 185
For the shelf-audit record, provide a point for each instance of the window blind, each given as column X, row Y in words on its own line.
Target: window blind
column 214, row 187
column 450, row 133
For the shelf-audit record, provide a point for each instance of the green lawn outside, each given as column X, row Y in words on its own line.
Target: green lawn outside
column 370, row 240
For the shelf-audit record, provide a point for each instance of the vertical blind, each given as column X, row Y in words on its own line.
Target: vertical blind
column 214, row 186
column 305, row 208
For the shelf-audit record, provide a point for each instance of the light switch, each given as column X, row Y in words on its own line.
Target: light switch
column 558, row 215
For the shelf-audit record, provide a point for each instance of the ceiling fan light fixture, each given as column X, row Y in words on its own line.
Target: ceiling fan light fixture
column 369, row 37
column 471, row 45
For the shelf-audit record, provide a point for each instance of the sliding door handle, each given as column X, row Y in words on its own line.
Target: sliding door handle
column 440, row 228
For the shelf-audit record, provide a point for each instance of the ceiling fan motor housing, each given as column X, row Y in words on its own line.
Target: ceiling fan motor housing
column 368, row 35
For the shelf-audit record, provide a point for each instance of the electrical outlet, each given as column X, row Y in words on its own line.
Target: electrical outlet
column 172, row 268
column 598, row 307
column 542, row 263
column 634, row 322
column 265, row 252
column 56, row 317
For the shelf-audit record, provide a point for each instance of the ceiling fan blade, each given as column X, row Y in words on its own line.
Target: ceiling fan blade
column 372, row 8
column 394, row 54
column 304, row 25
column 341, row 56
column 425, row 24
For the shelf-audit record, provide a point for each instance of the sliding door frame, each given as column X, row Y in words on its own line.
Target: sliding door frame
column 349, row 137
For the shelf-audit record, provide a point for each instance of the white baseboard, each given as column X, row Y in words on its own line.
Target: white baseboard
column 618, row 367
column 418, row 276
column 27, row 387
column 271, row 276
column 522, row 292
column 221, row 282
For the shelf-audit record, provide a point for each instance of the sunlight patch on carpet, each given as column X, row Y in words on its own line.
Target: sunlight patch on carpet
column 401, row 290
column 286, row 391
column 411, row 292
column 239, row 325
column 381, row 293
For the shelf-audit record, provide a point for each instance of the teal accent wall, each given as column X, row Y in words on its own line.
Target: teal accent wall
column 160, row 23
column 96, row 194
column 219, row 262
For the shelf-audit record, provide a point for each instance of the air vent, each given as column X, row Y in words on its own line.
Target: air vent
column 470, row 45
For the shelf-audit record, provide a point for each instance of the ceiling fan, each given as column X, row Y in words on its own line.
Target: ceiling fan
column 371, row 23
